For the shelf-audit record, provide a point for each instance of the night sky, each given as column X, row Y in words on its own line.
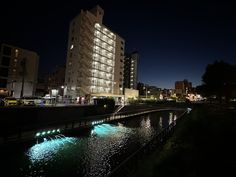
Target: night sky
column 175, row 39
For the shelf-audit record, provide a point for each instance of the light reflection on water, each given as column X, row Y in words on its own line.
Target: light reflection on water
column 160, row 123
column 171, row 119
column 45, row 151
column 145, row 131
column 96, row 153
column 108, row 140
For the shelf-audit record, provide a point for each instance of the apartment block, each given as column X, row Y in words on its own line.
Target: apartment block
column 95, row 57
column 131, row 70
column 18, row 70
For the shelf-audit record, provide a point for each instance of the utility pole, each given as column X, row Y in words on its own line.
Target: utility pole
column 146, row 92
column 23, row 63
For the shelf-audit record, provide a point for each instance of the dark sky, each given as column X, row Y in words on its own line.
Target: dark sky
column 175, row 39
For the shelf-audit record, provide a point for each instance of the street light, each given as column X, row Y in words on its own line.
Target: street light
column 147, row 92
column 121, row 89
column 62, row 90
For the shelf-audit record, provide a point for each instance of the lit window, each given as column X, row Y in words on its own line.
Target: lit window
column 16, row 53
column 97, row 25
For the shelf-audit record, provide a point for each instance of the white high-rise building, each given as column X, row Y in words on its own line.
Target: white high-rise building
column 95, row 57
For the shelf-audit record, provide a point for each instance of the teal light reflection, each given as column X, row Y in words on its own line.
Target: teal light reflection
column 108, row 130
column 46, row 150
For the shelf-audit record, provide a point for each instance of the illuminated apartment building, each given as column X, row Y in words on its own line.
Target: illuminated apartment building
column 94, row 57
column 131, row 70
column 18, row 70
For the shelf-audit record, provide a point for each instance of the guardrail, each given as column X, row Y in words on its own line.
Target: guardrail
column 130, row 164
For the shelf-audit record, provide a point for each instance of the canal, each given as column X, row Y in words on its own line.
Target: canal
column 93, row 152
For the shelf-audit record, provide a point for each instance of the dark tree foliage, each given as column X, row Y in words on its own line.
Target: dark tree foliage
column 219, row 80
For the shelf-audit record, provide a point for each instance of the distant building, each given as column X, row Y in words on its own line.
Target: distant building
column 41, row 87
column 141, row 88
column 182, row 88
column 131, row 70
column 147, row 91
column 18, row 70
column 95, row 57
column 54, row 80
column 166, row 93
column 154, row 92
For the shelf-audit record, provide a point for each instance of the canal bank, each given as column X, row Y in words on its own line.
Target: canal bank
column 21, row 123
column 24, row 123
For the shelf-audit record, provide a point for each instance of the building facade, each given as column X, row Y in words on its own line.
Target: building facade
column 55, row 81
column 131, row 70
column 18, row 70
column 95, row 57
column 182, row 88
column 52, row 82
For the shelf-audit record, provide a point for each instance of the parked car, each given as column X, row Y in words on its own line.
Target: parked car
column 27, row 101
column 31, row 100
column 10, row 101
column 39, row 101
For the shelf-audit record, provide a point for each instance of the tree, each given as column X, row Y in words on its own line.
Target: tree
column 219, row 80
column 23, row 66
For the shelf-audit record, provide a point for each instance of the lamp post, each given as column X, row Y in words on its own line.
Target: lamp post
column 121, row 90
column 62, row 93
column 146, row 91
column 62, row 89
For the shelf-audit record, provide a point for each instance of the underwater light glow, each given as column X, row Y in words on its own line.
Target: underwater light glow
column 108, row 130
column 46, row 150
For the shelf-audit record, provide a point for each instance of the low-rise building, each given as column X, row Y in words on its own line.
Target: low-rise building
column 182, row 88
